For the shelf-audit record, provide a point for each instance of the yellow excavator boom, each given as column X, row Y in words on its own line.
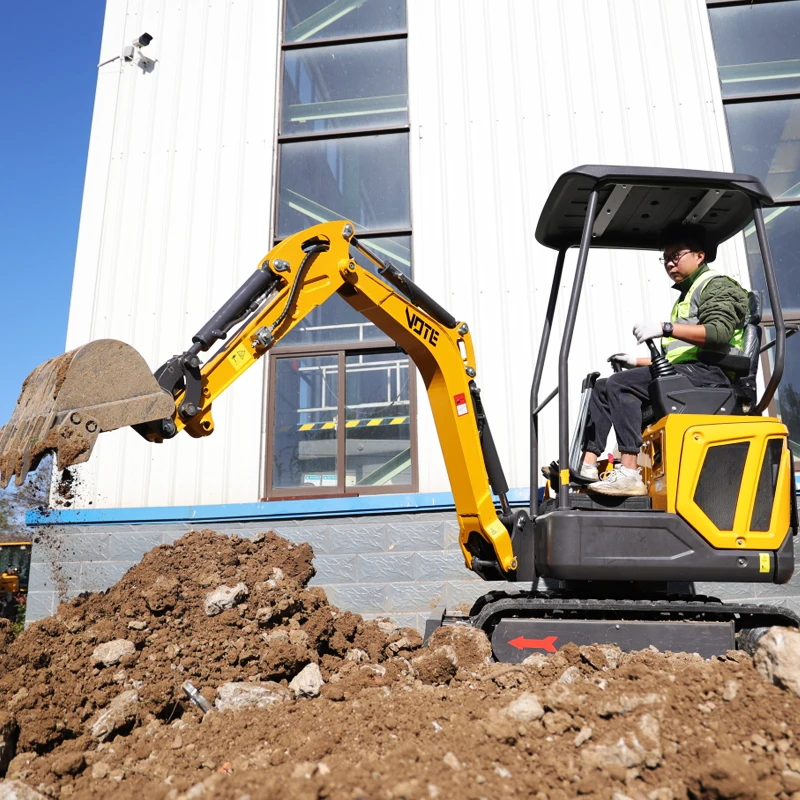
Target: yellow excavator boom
column 293, row 279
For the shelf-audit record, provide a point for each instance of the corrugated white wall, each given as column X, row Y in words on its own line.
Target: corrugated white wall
column 504, row 97
column 176, row 213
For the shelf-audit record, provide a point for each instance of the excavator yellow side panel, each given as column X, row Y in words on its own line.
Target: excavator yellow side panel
column 728, row 477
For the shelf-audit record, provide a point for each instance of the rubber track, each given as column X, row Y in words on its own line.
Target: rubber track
column 503, row 605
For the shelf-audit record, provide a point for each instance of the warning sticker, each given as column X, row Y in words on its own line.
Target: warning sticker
column 461, row 404
column 763, row 562
column 239, row 357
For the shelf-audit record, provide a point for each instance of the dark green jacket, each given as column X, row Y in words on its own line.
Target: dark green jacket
column 723, row 306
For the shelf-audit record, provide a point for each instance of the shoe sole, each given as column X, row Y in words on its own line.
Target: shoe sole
column 634, row 491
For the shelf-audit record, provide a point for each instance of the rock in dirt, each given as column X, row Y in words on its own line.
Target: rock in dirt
column 162, row 594
column 235, row 696
column 778, row 658
column 728, row 775
column 639, row 746
column 17, row 790
column 120, row 713
column 471, row 646
column 110, row 653
column 224, row 597
column 437, row 665
column 526, row 708
column 8, row 740
column 307, row 682
column 625, row 703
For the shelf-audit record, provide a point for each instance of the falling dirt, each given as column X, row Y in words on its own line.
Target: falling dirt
column 393, row 719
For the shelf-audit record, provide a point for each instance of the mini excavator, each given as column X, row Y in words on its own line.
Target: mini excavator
column 15, row 561
column 721, row 489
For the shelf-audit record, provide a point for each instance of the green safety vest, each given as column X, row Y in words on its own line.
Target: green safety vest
column 686, row 312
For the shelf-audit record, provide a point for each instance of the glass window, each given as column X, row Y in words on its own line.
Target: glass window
column 758, row 47
column 378, row 437
column 363, row 178
column 344, row 87
column 307, row 20
column 783, row 231
column 306, row 398
column 787, row 398
column 335, row 322
column 765, row 138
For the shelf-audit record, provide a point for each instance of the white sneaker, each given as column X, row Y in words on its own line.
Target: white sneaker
column 617, row 482
column 589, row 471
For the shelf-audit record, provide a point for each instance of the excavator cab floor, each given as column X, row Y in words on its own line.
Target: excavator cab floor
column 599, row 502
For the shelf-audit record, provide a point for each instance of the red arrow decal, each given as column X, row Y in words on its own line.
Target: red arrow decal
column 548, row 644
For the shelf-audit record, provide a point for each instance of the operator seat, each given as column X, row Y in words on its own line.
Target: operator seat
column 674, row 394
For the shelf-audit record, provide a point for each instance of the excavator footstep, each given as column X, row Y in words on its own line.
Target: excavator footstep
column 68, row 401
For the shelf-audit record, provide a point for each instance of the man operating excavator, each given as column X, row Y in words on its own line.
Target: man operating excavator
column 707, row 318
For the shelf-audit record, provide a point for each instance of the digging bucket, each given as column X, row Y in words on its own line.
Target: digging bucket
column 69, row 400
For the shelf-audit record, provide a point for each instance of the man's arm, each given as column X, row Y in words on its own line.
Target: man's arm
column 693, row 334
column 723, row 307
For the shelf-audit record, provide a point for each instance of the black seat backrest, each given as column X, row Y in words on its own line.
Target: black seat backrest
column 746, row 365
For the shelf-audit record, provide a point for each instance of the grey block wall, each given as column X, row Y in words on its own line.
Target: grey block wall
column 400, row 565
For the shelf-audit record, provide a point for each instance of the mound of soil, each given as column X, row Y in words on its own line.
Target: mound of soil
column 93, row 698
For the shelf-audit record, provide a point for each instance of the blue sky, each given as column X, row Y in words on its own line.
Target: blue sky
column 51, row 50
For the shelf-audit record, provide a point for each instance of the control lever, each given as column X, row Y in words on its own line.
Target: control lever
column 659, row 366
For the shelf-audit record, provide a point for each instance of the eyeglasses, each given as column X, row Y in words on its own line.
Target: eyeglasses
column 674, row 258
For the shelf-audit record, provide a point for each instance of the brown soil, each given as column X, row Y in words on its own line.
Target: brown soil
column 394, row 720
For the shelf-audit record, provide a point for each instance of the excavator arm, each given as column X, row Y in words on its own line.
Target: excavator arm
column 300, row 274
column 293, row 279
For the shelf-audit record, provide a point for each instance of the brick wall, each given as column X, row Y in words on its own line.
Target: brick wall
column 399, row 565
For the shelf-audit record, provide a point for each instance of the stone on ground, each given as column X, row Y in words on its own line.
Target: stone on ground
column 224, row 597
column 778, row 658
column 307, row 682
column 234, row 696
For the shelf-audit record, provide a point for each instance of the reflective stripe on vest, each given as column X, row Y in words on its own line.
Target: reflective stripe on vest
column 686, row 312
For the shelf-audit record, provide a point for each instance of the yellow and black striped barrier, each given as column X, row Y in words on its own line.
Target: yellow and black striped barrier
column 375, row 422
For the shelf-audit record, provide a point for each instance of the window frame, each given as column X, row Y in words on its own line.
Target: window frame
column 343, row 349
column 342, row 490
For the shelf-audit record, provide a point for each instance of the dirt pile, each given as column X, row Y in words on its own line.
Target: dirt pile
column 93, row 698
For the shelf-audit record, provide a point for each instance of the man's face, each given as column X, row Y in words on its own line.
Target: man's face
column 681, row 261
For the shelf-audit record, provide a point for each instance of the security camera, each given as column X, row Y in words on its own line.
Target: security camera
column 143, row 40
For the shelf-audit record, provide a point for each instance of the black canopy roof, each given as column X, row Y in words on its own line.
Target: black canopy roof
column 636, row 203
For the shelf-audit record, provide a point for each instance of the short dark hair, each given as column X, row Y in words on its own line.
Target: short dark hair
column 688, row 235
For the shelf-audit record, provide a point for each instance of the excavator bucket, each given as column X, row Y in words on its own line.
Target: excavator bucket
column 69, row 400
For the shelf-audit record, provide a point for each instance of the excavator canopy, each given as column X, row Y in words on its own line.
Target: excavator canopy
column 636, row 203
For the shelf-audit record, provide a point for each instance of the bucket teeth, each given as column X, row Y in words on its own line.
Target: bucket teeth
column 68, row 401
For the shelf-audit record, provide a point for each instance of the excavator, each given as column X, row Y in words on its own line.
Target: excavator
column 720, row 504
column 15, row 562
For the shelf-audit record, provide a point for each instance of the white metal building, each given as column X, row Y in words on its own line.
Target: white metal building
column 439, row 127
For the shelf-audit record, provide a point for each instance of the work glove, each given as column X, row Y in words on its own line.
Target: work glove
column 622, row 360
column 647, row 330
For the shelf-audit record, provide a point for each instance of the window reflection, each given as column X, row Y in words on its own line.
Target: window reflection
column 783, row 231
column 378, row 443
column 364, row 179
column 307, row 20
column 347, row 86
column 306, row 397
column 765, row 138
column 787, row 398
column 758, row 47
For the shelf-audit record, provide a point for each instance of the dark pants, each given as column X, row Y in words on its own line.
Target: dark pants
column 617, row 400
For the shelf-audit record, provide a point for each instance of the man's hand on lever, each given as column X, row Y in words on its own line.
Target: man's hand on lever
column 648, row 330
column 620, row 361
